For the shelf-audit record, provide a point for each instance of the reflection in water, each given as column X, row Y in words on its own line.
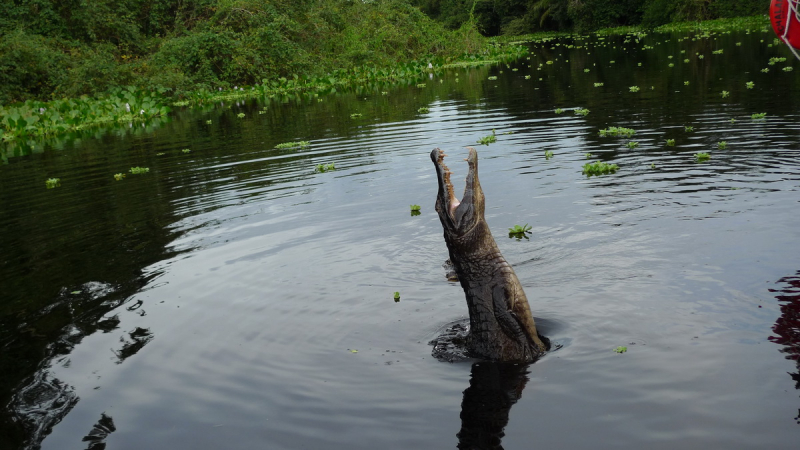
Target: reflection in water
column 787, row 327
column 493, row 389
column 139, row 338
column 41, row 404
column 40, row 399
column 100, row 431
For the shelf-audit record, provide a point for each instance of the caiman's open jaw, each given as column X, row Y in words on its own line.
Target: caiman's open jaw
column 454, row 208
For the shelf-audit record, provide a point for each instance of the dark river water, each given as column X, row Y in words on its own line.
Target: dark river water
column 234, row 298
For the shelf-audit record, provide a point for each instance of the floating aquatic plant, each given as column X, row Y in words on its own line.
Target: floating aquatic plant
column 733, row 120
column 634, row 88
column 787, row 69
column 725, row 94
column 688, row 128
column 355, row 115
column 722, row 145
column 633, row 144
column 559, row 111
column 119, row 176
column 589, row 156
column 297, row 144
column 582, row 111
column 671, row 142
column 486, row 140
column 519, row 231
column 757, row 116
column 415, row 207
column 423, row 110
column 548, row 154
column 598, row 84
column 750, row 85
column 186, row 150
column 324, row 167
column 599, row 168
column 396, row 296
column 51, row 183
column 240, row 115
column 208, row 122
column 421, row 85
column 620, row 349
column 617, row 131
column 527, row 77
column 139, row 170
column 686, row 83
column 492, row 78
column 700, row 157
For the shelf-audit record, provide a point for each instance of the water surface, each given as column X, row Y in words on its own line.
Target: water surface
column 233, row 297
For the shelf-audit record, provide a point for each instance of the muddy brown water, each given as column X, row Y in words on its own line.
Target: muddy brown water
column 234, row 298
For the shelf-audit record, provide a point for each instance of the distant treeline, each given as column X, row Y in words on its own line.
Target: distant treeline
column 66, row 48
column 515, row 17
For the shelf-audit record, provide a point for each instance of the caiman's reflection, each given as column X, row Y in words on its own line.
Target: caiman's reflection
column 493, row 389
column 787, row 327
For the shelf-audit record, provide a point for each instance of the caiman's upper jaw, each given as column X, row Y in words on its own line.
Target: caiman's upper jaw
column 446, row 195
column 456, row 211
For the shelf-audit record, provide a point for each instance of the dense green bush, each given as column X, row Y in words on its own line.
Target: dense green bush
column 526, row 16
column 52, row 48
column 30, row 65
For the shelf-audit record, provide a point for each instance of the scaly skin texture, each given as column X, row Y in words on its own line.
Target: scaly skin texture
column 501, row 324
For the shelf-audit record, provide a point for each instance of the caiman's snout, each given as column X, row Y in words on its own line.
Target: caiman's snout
column 457, row 214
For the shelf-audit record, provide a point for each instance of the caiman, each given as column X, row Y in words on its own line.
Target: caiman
column 501, row 324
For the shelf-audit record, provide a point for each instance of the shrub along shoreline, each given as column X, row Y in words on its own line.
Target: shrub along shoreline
column 35, row 120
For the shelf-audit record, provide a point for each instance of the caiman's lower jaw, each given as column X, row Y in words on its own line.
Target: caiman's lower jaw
column 451, row 202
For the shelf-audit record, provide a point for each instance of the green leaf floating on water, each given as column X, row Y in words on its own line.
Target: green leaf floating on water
column 621, row 349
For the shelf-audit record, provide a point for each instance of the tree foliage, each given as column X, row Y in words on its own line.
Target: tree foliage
column 525, row 16
column 54, row 48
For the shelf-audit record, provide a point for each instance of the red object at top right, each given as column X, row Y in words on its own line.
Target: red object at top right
column 785, row 18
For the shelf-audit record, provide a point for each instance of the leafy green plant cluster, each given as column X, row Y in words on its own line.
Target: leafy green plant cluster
column 139, row 170
column 51, row 183
column 599, row 168
column 297, row 144
column 702, row 156
column 191, row 43
column 490, row 139
column 320, row 168
column 121, row 105
column 518, row 231
column 620, row 349
column 617, row 131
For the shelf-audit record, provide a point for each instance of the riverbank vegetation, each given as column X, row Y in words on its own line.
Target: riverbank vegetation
column 70, row 65
column 518, row 17
column 67, row 64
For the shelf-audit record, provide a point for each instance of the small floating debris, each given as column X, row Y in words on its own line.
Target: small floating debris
column 620, row 349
